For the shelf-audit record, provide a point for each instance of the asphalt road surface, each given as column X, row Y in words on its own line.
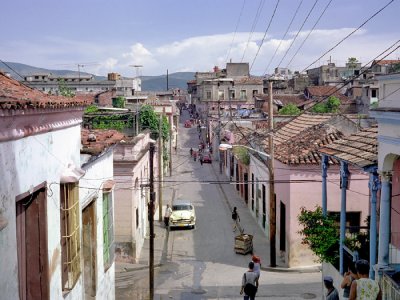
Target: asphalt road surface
column 201, row 263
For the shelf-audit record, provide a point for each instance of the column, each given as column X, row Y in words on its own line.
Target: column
column 344, row 176
column 384, row 220
column 324, row 166
column 374, row 185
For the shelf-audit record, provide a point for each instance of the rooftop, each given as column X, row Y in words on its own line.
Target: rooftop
column 95, row 141
column 360, row 149
column 14, row 95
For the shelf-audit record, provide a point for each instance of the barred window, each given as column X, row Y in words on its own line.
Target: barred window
column 108, row 230
column 208, row 94
column 70, row 235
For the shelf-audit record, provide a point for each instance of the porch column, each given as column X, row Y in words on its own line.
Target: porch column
column 384, row 221
column 324, row 166
column 374, row 186
column 344, row 175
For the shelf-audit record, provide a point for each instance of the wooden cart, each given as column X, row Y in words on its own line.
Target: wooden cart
column 244, row 243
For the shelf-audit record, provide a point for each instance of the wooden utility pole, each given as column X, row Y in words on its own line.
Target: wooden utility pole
column 151, row 222
column 170, row 147
column 160, row 168
column 272, row 200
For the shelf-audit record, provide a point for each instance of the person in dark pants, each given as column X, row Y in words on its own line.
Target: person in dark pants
column 168, row 212
column 191, row 151
column 249, row 283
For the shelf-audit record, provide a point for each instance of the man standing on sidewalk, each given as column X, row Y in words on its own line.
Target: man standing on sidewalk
column 168, row 212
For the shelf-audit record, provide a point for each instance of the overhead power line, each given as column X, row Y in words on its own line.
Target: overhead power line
column 298, row 32
column 12, row 69
column 236, row 28
column 265, row 34
column 287, row 30
column 309, row 33
column 255, row 21
column 350, row 34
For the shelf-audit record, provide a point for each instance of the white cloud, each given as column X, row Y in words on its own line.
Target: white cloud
column 200, row 53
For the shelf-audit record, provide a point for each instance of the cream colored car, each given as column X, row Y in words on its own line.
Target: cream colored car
column 183, row 215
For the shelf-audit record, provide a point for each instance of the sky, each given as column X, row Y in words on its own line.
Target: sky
column 193, row 35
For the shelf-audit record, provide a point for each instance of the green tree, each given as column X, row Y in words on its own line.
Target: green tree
column 242, row 154
column 64, row 90
column 91, row 109
column 149, row 119
column 320, row 233
column 333, row 104
column 118, row 102
column 352, row 62
column 290, row 109
column 319, row 108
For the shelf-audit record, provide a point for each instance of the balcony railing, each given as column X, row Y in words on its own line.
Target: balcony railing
column 390, row 288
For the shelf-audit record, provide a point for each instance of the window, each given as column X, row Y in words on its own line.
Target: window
column 208, row 94
column 373, row 93
column 221, row 95
column 70, row 235
column 255, row 92
column 231, row 94
column 243, row 95
column 108, row 230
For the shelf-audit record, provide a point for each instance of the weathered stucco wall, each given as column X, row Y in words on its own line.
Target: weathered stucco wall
column 96, row 174
column 27, row 163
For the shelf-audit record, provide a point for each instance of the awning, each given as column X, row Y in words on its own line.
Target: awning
column 108, row 185
column 71, row 174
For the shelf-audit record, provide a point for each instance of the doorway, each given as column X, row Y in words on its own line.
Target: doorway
column 282, row 238
column 31, row 218
column 89, row 249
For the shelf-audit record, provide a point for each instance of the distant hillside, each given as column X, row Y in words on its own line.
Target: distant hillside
column 159, row 83
column 25, row 70
column 149, row 83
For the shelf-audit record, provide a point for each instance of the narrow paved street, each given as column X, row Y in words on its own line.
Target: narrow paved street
column 202, row 263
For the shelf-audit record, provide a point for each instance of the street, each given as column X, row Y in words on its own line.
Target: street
column 202, row 263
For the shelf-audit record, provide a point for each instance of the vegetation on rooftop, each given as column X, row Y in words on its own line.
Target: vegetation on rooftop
column 290, row 109
column 330, row 106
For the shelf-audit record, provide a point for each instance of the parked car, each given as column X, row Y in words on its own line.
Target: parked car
column 188, row 124
column 207, row 158
column 183, row 214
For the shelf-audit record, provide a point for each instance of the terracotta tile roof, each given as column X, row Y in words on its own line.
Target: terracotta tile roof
column 296, row 142
column 14, row 95
column 303, row 148
column 96, row 141
column 386, row 62
column 299, row 124
column 360, row 149
column 323, row 91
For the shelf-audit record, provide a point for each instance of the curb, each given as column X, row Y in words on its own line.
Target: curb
column 315, row 269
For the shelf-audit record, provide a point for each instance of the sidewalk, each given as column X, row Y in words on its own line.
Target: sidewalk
column 159, row 242
column 261, row 246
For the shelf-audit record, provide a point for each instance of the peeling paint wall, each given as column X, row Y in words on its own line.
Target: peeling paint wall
column 90, row 190
column 26, row 163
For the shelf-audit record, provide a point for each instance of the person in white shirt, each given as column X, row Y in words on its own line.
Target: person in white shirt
column 168, row 212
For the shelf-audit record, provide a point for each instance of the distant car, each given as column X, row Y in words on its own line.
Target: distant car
column 188, row 124
column 183, row 214
column 207, row 158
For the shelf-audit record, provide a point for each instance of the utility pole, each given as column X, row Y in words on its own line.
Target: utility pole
column 151, row 222
column 170, row 147
column 219, row 132
column 167, row 81
column 160, row 168
column 272, row 201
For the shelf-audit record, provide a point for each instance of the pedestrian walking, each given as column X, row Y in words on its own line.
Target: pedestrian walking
column 168, row 212
column 235, row 218
column 257, row 265
column 249, row 283
column 201, row 159
column 194, row 155
column 348, row 279
column 331, row 293
column 364, row 287
column 191, row 151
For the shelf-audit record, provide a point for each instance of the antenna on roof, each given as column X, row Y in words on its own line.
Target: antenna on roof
column 79, row 66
